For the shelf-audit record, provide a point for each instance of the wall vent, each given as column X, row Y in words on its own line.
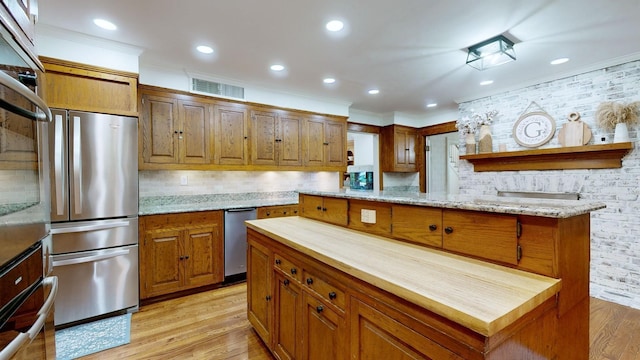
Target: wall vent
column 206, row 87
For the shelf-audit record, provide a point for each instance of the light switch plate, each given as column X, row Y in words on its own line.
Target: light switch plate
column 184, row 180
column 368, row 216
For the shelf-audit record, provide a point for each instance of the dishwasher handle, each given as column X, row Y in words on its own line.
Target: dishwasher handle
column 240, row 210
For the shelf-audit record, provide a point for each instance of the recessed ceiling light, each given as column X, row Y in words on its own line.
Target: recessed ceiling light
column 107, row 25
column 335, row 25
column 329, row 80
column 559, row 61
column 374, row 91
column 277, row 67
column 432, row 105
column 205, row 49
column 486, row 82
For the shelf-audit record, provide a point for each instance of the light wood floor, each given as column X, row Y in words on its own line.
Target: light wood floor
column 213, row 325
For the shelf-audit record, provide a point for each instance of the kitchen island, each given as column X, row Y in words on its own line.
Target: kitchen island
column 393, row 276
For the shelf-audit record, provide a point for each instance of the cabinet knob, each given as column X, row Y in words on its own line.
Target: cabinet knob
column 332, row 295
column 433, row 227
column 319, row 308
column 326, row 143
column 278, row 261
column 319, row 208
column 295, row 211
column 268, row 298
column 284, row 213
column 181, row 257
column 324, row 209
column 268, row 213
column 286, row 282
column 309, row 281
column 448, row 229
column 294, row 271
column 186, row 257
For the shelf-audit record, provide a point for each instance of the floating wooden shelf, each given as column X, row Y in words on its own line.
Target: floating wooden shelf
column 605, row 156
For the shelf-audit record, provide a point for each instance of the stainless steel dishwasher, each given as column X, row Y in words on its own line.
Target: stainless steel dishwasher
column 235, row 243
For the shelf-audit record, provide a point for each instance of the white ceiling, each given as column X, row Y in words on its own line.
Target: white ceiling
column 412, row 50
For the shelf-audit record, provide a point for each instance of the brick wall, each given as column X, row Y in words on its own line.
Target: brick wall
column 615, row 231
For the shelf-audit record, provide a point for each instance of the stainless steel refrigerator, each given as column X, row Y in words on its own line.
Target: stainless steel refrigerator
column 94, row 213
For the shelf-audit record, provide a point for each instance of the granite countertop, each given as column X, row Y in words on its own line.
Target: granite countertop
column 507, row 205
column 152, row 205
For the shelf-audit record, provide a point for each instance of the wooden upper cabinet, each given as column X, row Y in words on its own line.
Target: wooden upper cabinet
column 175, row 131
column 276, row 138
column 398, row 149
column 159, row 118
column 75, row 86
column 195, row 132
column 231, row 146
column 325, row 142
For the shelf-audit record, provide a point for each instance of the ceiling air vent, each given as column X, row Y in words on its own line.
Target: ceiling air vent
column 216, row 89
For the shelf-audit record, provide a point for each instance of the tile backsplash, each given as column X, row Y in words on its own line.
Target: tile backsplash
column 160, row 183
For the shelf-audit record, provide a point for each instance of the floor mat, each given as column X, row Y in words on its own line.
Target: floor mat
column 89, row 338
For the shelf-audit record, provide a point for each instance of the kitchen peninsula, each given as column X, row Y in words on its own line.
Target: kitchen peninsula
column 424, row 275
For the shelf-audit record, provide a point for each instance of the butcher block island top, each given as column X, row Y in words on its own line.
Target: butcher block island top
column 494, row 204
column 481, row 296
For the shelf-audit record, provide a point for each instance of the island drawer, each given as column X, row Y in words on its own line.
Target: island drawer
column 288, row 267
column 319, row 284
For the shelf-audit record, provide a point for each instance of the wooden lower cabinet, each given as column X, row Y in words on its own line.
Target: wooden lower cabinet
column 180, row 251
column 331, row 210
column 323, row 331
column 305, row 309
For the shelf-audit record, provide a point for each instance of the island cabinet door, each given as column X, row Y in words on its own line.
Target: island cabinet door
column 259, row 288
column 288, row 316
column 323, row 331
column 376, row 335
column 486, row 235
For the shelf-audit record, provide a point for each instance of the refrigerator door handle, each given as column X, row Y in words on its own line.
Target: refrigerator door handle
column 91, row 258
column 77, row 165
column 85, row 228
column 58, row 162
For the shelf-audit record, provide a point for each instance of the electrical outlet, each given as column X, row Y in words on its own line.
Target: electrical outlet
column 184, row 180
column 368, row 216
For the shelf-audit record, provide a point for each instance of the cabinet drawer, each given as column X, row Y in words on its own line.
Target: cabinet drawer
column 418, row 224
column 327, row 291
column 277, row 211
column 288, row 267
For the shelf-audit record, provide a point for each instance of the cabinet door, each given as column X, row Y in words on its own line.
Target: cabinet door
column 289, row 140
column 259, row 288
column 287, row 303
column 335, row 143
column 322, row 332
column 405, row 148
column 160, row 252
column 312, row 206
column 194, row 133
column 375, row 335
column 419, row 224
column 159, row 129
column 231, row 146
column 203, row 256
column 486, row 235
column 336, row 211
column 264, row 138
column 313, row 146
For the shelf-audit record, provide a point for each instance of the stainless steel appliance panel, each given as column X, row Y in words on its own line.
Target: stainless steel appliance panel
column 235, row 240
column 91, row 235
column 93, row 283
column 94, row 166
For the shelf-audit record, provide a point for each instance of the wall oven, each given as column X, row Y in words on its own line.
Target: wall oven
column 27, row 291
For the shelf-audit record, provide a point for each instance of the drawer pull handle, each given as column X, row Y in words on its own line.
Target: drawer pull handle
column 433, row 227
column 309, row 281
column 448, row 229
column 286, row 282
column 332, row 295
column 319, row 308
column 294, row 271
column 278, row 261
